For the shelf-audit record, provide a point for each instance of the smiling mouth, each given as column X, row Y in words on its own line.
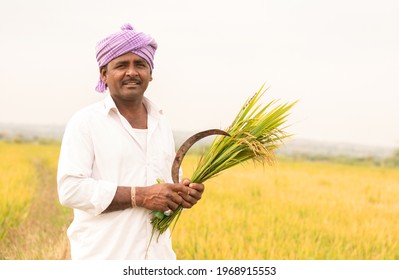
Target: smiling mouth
column 131, row 83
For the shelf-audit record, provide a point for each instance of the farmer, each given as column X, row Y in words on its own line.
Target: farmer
column 112, row 154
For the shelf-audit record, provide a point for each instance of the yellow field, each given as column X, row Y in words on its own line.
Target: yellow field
column 292, row 210
column 32, row 222
column 18, row 177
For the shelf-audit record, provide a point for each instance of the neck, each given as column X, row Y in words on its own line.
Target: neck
column 134, row 112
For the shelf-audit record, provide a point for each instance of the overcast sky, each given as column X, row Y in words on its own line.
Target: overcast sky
column 340, row 59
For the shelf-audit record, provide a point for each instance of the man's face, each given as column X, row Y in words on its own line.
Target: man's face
column 127, row 77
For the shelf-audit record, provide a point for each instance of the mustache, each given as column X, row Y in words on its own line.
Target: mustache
column 131, row 80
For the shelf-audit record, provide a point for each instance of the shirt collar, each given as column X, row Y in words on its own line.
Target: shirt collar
column 152, row 109
column 109, row 104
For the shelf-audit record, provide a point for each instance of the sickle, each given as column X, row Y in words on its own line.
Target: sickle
column 187, row 145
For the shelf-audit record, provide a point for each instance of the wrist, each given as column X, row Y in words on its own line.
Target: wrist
column 139, row 196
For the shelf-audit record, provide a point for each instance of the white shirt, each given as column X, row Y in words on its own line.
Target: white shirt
column 100, row 151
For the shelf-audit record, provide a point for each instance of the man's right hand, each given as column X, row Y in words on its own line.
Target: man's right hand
column 161, row 197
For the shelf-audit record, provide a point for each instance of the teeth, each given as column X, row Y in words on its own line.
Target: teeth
column 132, row 83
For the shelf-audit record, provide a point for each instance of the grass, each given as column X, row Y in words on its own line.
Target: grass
column 14, row 163
column 33, row 222
column 293, row 210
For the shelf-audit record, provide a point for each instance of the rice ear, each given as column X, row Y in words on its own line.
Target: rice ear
column 255, row 133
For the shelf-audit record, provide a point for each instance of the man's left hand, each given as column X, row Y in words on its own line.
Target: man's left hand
column 194, row 194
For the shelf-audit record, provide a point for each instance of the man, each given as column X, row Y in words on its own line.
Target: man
column 111, row 156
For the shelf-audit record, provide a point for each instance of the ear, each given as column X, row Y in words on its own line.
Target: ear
column 150, row 77
column 103, row 74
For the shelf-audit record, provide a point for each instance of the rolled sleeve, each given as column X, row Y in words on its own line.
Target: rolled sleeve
column 86, row 194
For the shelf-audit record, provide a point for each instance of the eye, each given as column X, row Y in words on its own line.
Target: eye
column 141, row 64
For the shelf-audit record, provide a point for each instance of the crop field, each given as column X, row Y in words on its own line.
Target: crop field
column 293, row 210
column 32, row 222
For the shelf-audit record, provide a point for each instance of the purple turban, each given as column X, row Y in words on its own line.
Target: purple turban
column 117, row 44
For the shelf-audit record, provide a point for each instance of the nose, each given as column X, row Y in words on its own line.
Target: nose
column 131, row 71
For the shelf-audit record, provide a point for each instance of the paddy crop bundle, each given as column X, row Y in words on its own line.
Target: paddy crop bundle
column 255, row 133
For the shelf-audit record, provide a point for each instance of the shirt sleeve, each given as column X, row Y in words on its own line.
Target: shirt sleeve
column 76, row 188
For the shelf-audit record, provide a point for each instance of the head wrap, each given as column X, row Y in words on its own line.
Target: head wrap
column 117, row 44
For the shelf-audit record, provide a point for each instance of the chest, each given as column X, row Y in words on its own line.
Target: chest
column 126, row 155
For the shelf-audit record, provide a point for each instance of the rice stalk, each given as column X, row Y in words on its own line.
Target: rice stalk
column 254, row 135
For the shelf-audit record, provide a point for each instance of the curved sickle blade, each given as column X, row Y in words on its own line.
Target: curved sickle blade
column 187, row 145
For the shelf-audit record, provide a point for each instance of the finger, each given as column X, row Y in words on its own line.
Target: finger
column 185, row 204
column 174, row 190
column 179, row 188
column 198, row 187
column 173, row 205
column 186, row 181
column 189, row 199
column 176, row 198
column 193, row 194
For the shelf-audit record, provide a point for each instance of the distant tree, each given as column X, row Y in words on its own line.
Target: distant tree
column 393, row 160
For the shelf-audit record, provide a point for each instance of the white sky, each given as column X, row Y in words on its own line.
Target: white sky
column 340, row 59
